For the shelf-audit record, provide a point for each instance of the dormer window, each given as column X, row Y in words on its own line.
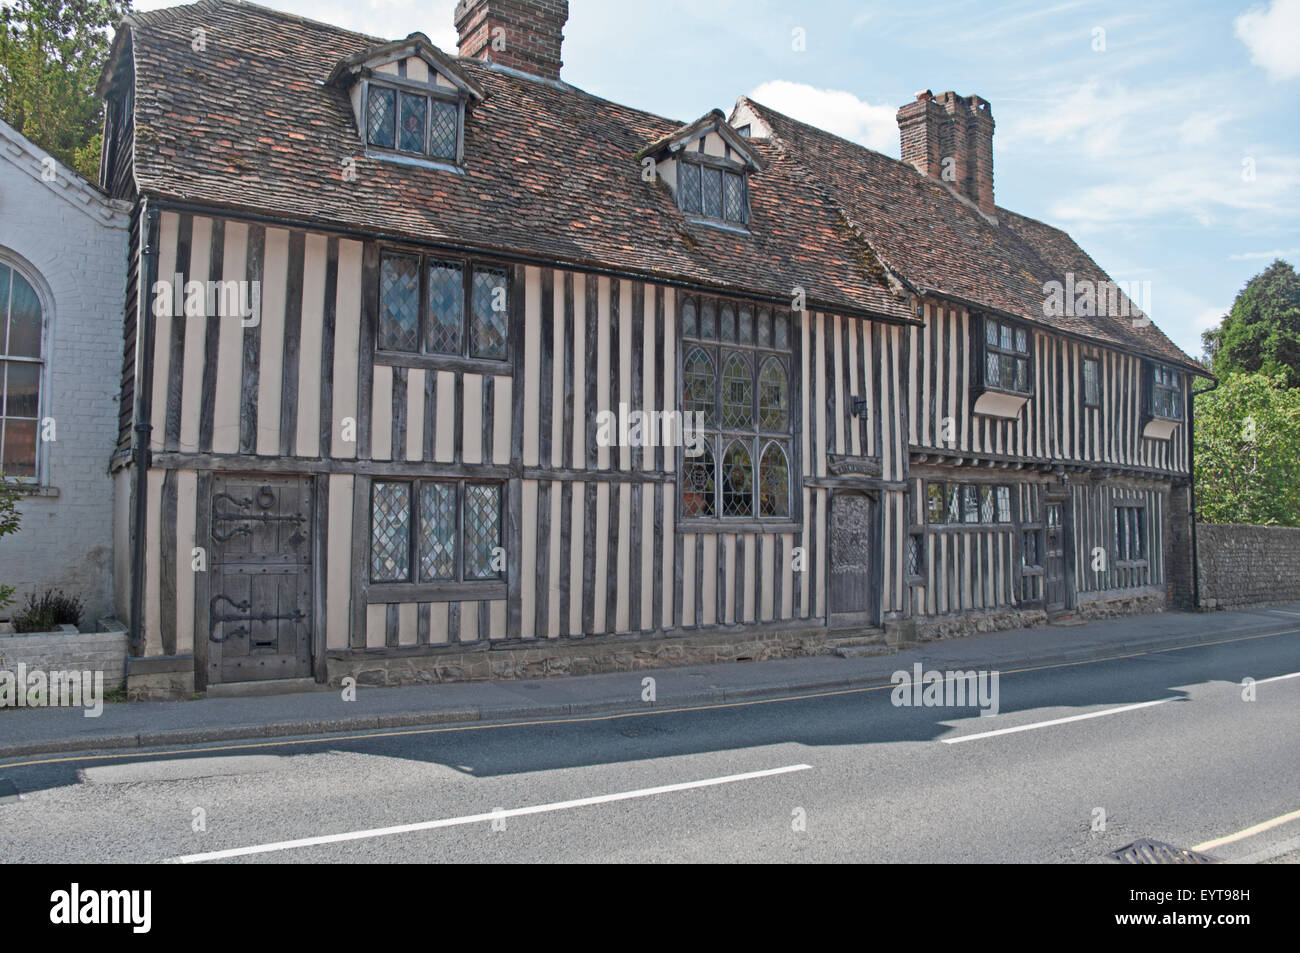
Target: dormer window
column 409, row 100
column 706, row 165
column 415, row 123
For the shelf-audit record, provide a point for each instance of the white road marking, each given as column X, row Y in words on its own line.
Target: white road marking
column 1054, row 721
column 1277, row 678
column 1249, row 832
column 490, row 816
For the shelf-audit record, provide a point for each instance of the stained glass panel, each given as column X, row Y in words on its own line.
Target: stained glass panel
column 399, row 303
column 737, row 393
column 390, row 533
column 698, row 385
column 437, row 532
column 774, row 483
column 698, row 488
column 737, row 481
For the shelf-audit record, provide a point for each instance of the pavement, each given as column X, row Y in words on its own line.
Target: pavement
column 25, row 732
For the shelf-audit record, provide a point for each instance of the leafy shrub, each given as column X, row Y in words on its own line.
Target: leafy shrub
column 48, row 612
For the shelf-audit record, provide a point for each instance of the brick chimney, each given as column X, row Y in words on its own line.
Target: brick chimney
column 522, row 34
column 950, row 138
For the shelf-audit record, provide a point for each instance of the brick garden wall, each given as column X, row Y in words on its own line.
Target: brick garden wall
column 1248, row 565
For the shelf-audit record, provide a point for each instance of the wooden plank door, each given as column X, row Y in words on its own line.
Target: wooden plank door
column 260, row 610
column 852, row 554
column 1054, row 556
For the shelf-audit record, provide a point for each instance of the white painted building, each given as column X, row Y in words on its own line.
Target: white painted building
column 63, row 249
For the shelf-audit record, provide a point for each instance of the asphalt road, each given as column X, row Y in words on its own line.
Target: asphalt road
column 845, row 776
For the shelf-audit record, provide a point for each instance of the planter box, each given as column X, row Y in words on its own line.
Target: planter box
column 68, row 650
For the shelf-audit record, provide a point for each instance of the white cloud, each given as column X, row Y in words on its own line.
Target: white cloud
column 1273, row 37
column 835, row 110
column 1265, row 255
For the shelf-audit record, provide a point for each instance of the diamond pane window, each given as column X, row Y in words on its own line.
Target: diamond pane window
column 765, row 328
column 993, row 369
column 708, row 320
column 437, row 532
column 737, row 481
column 712, row 192
column 954, row 503
column 733, row 198
column 1166, row 393
column 781, row 330
column 381, row 117
column 1022, row 375
column 1022, row 341
column 698, row 487
column 482, row 529
column 698, row 386
column 737, row 393
column 773, row 397
column 690, row 318
column 446, row 307
column 688, row 185
column 970, row 503
column 914, row 543
column 399, row 303
column 727, row 323
column 986, row 504
column 390, row 533
column 746, row 327
column 488, row 328
column 442, row 129
column 774, row 483
column 411, row 138
column 1005, row 365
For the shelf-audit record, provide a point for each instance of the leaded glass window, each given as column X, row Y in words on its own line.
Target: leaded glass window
column 442, row 129
column 712, row 192
column 737, row 481
column 399, row 295
column 773, row 482
column 915, row 549
column 1130, row 533
column 742, row 390
column 446, row 307
column 698, row 386
column 954, row 503
column 733, row 187
column 1006, row 357
column 411, row 138
column 381, row 117
column 482, row 529
column 704, row 189
column 699, row 496
column 986, row 504
column 432, row 531
column 21, row 366
column 773, row 397
column 737, row 393
column 1091, row 383
column 488, row 327
column 688, row 185
column 1166, row 393
column 390, row 532
column 437, row 532
column 412, row 122
column 1004, row 503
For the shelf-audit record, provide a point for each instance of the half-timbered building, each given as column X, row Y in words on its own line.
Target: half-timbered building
column 437, row 366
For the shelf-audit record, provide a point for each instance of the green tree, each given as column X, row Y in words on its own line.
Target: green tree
column 1248, row 452
column 1262, row 331
column 9, row 516
column 51, row 54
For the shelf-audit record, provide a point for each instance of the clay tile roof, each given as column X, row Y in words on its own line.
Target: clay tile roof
column 942, row 245
column 550, row 171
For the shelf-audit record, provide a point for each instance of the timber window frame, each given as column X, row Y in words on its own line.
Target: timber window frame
column 1165, row 392
column 441, row 116
column 428, row 552
column 1091, row 382
column 1005, row 352
column 1129, row 531
column 950, row 503
column 459, row 316
column 736, row 371
column 713, row 190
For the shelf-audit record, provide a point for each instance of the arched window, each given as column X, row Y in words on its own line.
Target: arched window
column 773, row 482
column 773, row 397
column 737, row 481
column 737, row 393
column 699, row 494
column 698, row 385
column 21, row 365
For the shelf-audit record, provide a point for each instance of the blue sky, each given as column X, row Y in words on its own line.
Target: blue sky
column 1133, row 125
